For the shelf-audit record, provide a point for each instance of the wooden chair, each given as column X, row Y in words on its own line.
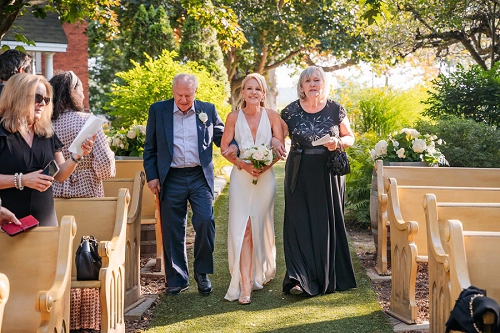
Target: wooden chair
column 132, row 250
column 38, row 263
column 106, row 219
column 409, row 238
column 4, row 295
column 422, row 176
column 149, row 214
column 459, row 259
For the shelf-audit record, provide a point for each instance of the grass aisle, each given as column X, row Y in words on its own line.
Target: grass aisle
column 354, row 311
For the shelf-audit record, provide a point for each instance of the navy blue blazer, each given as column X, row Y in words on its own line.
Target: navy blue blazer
column 159, row 145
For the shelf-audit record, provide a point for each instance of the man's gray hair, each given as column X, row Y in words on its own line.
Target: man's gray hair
column 188, row 78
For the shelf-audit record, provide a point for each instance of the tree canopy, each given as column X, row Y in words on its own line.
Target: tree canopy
column 470, row 26
column 68, row 10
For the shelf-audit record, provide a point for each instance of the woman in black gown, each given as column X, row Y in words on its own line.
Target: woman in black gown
column 317, row 254
column 27, row 145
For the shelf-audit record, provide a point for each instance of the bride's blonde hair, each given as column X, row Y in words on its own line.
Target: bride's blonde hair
column 261, row 81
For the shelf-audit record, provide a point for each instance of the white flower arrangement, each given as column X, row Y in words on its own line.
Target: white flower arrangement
column 127, row 142
column 259, row 156
column 408, row 145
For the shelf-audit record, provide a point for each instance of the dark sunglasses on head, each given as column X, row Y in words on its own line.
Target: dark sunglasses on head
column 39, row 98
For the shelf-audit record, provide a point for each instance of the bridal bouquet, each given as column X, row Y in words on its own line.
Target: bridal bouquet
column 259, row 156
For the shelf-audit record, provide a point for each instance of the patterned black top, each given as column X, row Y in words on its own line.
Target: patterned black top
column 304, row 127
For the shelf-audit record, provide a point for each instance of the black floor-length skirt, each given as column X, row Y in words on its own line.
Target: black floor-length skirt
column 317, row 253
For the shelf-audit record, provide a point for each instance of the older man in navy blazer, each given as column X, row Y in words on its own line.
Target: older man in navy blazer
column 178, row 165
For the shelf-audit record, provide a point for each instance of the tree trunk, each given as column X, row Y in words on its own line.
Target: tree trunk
column 272, row 89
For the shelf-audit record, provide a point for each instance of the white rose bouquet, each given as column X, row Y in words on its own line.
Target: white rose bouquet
column 408, row 145
column 127, row 141
column 259, row 156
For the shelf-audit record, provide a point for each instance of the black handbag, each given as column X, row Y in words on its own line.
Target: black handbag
column 87, row 259
column 467, row 314
column 338, row 162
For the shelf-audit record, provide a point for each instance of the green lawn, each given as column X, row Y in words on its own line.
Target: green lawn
column 270, row 311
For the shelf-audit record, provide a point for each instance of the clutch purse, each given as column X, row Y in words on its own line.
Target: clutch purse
column 338, row 163
column 27, row 222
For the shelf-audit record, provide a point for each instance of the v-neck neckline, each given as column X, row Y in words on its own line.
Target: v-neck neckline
column 258, row 126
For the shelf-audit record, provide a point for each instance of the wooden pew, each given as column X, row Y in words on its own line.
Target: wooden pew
column 133, row 244
column 4, row 295
column 458, row 258
column 149, row 213
column 409, row 237
column 422, row 176
column 38, row 264
column 106, row 219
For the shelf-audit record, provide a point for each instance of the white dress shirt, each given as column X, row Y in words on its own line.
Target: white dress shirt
column 185, row 139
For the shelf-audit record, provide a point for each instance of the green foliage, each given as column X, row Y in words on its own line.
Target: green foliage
column 473, row 94
column 68, row 11
column 451, row 28
column 150, row 34
column 468, row 143
column 199, row 43
column 141, row 31
column 382, row 110
column 152, row 81
column 358, row 182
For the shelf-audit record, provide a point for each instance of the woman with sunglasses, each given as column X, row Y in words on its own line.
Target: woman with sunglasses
column 68, row 118
column 28, row 144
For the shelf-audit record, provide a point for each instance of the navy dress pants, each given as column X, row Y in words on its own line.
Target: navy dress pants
column 183, row 185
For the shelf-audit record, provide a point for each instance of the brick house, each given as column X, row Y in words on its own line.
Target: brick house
column 58, row 46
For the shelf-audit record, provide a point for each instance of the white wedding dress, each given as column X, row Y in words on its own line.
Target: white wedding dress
column 256, row 202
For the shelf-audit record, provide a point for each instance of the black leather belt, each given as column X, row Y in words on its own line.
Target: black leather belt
column 310, row 151
column 188, row 169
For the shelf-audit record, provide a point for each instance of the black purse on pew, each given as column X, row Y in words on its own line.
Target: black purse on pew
column 338, row 163
column 87, row 260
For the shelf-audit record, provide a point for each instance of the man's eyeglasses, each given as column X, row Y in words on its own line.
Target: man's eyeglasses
column 39, row 98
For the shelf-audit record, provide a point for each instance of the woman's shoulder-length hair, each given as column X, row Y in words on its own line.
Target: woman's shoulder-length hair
column 306, row 74
column 17, row 105
column 261, row 81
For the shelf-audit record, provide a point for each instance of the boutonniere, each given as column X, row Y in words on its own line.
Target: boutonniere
column 202, row 116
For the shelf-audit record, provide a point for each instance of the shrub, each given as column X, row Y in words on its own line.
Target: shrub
column 358, row 182
column 473, row 94
column 381, row 110
column 152, row 82
column 468, row 143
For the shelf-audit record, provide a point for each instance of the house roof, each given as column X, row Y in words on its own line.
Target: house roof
column 47, row 33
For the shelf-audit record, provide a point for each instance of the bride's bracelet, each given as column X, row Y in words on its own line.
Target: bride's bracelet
column 238, row 161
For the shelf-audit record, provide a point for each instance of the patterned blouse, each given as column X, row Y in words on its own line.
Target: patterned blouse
column 86, row 180
column 304, row 128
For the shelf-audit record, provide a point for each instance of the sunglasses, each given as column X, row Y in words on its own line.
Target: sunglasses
column 39, row 98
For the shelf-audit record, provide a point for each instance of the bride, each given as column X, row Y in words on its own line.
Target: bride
column 251, row 247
